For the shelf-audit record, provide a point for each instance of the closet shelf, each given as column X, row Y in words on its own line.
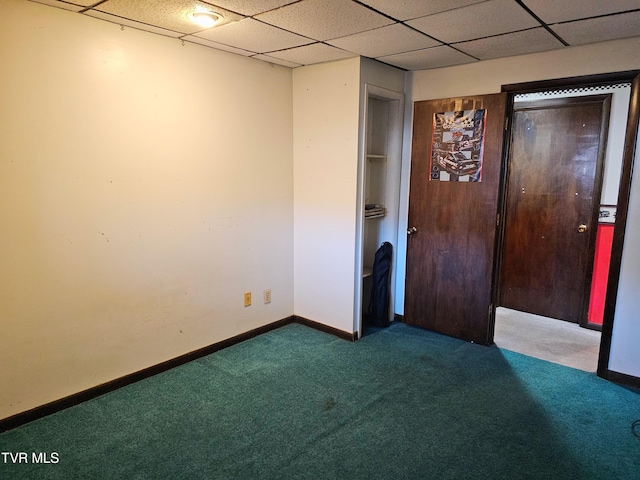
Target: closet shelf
column 374, row 211
column 367, row 272
column 372, row 156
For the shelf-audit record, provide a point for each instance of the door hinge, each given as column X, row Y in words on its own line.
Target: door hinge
column 506, row 123
column 498, row 220
column 490, row 310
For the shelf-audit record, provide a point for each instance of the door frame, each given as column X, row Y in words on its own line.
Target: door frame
column 624, row 192
column 394, row 156
column 623, row 195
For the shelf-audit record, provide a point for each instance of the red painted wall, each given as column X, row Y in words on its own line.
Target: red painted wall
column 604, row 239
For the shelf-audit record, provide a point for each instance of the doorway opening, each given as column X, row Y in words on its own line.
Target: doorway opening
column 378, row 193
column 535, row 217
column 564, row 343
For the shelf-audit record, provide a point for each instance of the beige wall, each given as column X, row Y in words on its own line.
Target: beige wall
column 489, row 76
column 326, row 119
column 144, row 187
column 328, row 140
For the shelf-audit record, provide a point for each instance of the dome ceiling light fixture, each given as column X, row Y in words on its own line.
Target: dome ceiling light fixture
column 205, row 18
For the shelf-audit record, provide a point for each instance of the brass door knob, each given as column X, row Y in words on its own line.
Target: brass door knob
column 582, row 228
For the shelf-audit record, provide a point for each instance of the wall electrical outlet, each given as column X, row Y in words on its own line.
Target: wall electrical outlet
column 267, row 295
column 247, row 299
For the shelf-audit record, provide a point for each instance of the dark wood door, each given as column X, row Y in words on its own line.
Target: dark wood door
column 450, row 255
column 553, row 190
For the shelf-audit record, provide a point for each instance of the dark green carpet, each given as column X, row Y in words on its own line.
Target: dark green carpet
column 401, row 403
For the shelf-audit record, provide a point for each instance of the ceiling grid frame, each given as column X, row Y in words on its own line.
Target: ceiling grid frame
column 411, row 35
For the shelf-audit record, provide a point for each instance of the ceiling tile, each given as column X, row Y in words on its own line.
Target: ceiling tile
column 560, row 11
column 435, row 57
column 218, row 46
column 408, row 9
column 517, row 43
column 396, row 38
column 277, row 61
column 476, row 21
column 251, row 7
column 64, row 5
column 599, row 29
column 310, row 54
column 250, row 34
column 325, row 19
column 168, row 14
column 132, row 24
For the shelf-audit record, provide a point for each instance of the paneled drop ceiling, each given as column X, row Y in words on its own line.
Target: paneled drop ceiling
column 409, row 34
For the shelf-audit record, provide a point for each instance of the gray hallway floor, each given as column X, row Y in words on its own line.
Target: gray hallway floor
column 548, row 339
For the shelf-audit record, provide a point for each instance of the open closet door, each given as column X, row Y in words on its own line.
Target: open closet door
column 453, row 207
